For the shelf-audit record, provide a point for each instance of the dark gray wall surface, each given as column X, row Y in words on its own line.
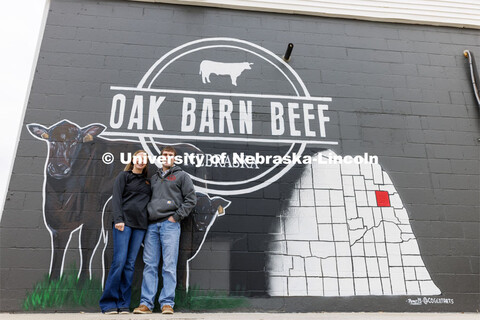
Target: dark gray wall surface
column 401, row 92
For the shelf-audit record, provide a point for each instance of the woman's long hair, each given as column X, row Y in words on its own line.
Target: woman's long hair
column 129, row 166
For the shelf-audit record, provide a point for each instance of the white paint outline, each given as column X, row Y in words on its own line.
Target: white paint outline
column 80, row 251
column 66, row 248
column 219, row 138
column 103, row 258
column 218, row 93
column 105, row 240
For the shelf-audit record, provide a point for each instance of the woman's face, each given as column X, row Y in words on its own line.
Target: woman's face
column 141, row 161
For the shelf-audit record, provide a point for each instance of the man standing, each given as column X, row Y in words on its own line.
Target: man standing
column 173, row 197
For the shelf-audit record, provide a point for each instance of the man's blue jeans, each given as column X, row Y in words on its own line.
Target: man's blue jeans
column 161, row 238
column 117, row 292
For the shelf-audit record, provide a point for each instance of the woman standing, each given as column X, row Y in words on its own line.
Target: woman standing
column 131, row 194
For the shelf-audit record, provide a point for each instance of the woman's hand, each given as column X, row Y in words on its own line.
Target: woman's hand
column 171, row 219
column 120, row 226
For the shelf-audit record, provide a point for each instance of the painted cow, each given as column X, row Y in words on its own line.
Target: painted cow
column 195, row 230
column 234, row 70
column 77, row 186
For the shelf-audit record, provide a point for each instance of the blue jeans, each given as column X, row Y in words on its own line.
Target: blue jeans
column 117, row 292
column 161, row 238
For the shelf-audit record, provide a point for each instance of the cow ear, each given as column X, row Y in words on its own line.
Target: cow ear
column 38, row 131
column 250, row 63
column 91, row 131
column 220, row 205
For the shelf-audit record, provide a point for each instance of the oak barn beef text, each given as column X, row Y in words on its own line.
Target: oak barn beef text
column 287, row 117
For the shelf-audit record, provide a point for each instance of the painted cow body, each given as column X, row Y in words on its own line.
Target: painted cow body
column 77, row 186
column 234, row 70
column 195, row 229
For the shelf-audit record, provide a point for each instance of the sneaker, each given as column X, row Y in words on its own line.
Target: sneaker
column 166, row 309
column 142, row 309
column 111, row 311
column 124, row 310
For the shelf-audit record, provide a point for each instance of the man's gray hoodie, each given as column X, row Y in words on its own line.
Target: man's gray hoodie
column 172, row 195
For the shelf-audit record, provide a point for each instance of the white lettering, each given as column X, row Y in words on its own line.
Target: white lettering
column 322, row 118
column 307, row 117
column 188, row 114
column 278, row 127
column 153, row 115
column 207, row 116
column 245, row 119
column 136, row 116
column 225, row 108
column 291, row 117
column 118, row 98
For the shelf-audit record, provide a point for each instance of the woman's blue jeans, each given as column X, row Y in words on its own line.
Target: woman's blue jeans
column 161, row 238
column 117, row 292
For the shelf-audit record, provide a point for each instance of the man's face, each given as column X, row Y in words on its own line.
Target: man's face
column 169, row 159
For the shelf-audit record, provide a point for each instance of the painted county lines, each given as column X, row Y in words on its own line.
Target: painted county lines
column 346, row 232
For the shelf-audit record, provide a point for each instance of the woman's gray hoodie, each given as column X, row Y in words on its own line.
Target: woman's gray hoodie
column 172, row 195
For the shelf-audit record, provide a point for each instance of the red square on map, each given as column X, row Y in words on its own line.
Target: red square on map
column 383, row 200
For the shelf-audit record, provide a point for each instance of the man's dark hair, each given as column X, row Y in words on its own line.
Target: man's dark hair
column 170, row 149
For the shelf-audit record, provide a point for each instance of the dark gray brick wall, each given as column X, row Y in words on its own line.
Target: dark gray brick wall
column 401, row 92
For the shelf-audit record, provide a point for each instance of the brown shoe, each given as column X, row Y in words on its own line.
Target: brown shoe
column 166, row 309
column 142, row 309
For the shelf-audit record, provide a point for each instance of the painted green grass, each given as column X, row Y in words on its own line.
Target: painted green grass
column 66, row 292
column 196, row 300
column 69, row 293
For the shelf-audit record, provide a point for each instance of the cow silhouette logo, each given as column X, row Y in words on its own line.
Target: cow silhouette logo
column 234, row 70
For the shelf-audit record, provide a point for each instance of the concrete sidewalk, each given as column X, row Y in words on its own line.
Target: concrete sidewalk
column 245, row 316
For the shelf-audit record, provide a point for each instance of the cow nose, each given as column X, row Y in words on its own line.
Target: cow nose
column 63, row 168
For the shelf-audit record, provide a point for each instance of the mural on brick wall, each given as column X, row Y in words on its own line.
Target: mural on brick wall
column 345, row 231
